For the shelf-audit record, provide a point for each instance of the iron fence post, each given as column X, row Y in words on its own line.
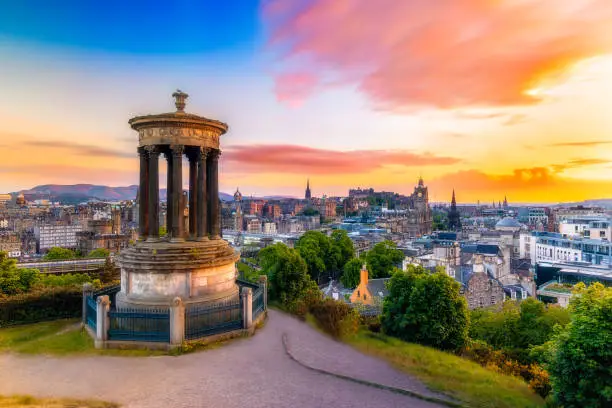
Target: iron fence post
column 263, row 281
column 103, row 322
column 247, row 307
column 177, row 322
column 87, row 292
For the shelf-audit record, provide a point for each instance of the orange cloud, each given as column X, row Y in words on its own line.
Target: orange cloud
column 294, row 88
column 444, row 53
column 306, row 160
column 582, row 144
column 536, row 184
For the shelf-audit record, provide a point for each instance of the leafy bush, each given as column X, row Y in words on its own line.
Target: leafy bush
column 57, row 253
column 485, row 355
column 48, row 304
column 517, row 327
column 426, row 308
column 64, row 280
column 335, row 318
column 580, row 363
column 99, row 253
column 14, row 280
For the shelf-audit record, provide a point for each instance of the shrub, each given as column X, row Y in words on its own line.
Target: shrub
column 427, row 309
column 581, row 355
column 335, row 318
column 47, row 304
column 496, row 360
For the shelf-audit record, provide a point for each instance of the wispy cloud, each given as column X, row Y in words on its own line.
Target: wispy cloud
column 579, row 163
column 84, row 150
column 588, row 143
column 437, row 52
column 306, row 160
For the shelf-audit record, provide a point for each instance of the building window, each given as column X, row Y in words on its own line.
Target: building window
column 493, row 300
column 358, row 294
column 365, row 297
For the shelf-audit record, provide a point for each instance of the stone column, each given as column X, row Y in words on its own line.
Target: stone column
column 177, row 193
column 169, row 201
column 247, row 307
column 213, row 195
column 153, row 193
column 177, row 322
column 143, row 194
column 193, row 194
column 202, row 200
column 102, row 321
column 87, row 292
column 263, row 281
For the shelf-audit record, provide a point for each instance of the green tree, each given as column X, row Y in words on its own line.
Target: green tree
column 351, row 274
column 287, row 274
column 57, row 253
column 108, row 272
column 344, row 245
column 580, row 363
column 14, row 280
column 440, row 222
column 320, row 254
column 383, row 258
column 426, row 308
column 517, row 327
column 99, row 253
column 163, row 231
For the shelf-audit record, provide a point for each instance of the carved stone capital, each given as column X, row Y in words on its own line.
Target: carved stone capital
column 177, row 150
column 152, row 151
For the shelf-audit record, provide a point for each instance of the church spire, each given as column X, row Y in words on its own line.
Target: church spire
column 453, row 201
column 308, row 194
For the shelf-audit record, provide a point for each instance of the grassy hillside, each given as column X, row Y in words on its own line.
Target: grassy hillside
column 457, row 377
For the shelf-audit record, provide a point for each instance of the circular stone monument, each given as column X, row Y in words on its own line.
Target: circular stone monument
column 192, row 261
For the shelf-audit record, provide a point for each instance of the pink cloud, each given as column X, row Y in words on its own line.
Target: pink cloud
column 302, row 159
column 445, row 53
column 294, row 88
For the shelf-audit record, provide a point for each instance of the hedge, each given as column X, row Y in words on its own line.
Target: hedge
column 49, row 304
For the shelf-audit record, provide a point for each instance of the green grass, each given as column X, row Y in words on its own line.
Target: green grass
column 457, row 377
column 25, row 401
column 59, row 337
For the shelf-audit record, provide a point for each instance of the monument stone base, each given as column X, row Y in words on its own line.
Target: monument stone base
column 199, row 272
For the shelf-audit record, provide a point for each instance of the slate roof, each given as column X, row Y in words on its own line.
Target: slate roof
column 378, row 287
column 508, row 222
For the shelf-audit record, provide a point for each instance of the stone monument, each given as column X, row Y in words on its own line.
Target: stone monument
column 192, row 261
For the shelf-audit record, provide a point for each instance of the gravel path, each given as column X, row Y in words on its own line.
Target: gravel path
column 253, row 372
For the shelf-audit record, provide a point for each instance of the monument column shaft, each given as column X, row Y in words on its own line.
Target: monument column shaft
column 177, row 192
column 143, row 194
column 193, row 193
column 153, row 193
column 213, row 197
column 202, row 200
column 169, row 202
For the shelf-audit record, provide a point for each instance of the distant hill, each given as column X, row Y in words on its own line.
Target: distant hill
column 74, row 193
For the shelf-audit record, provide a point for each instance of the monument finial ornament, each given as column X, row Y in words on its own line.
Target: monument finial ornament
column 180, row 98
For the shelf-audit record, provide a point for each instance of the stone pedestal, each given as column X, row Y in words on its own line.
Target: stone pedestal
column 153, row 274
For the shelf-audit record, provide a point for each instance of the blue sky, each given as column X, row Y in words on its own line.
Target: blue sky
column 135, row 26
column 347, row 93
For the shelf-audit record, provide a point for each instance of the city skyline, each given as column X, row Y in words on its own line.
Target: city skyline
column 489, row 98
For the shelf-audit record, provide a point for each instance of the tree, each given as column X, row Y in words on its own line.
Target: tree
column 383, row 258
column 108, row 272
column 14, row 280
column 580, row 363
column 517, row 327
column 57, row 253
column 287, row 274
column 351, row 275
column 320, row 254
column 99, row 253
column 426, row 308
column 344, row 245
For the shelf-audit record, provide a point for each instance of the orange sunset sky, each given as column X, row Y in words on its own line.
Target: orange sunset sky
column 489, row 97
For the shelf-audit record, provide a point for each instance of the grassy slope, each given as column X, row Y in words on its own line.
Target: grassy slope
column 452, row 375
column 59, row 337
column 30, row 402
